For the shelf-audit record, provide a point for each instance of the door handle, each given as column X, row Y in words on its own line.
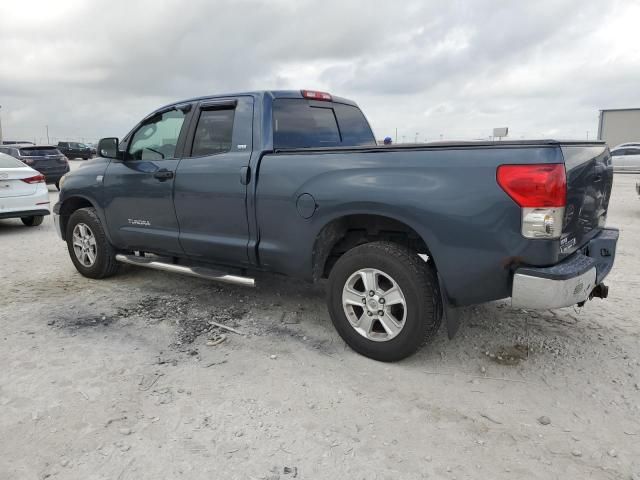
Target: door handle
column 163, row 174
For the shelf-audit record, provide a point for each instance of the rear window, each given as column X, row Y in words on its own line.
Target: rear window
column 353, row 126
column 304, row 124
column 9, row 162
column 38, row 152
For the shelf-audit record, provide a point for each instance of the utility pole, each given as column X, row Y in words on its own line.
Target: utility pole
column 47, row 126
column 396, row 141
column 0, row 124
column 416, row 139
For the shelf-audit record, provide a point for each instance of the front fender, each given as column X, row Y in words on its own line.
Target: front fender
column 82, row 188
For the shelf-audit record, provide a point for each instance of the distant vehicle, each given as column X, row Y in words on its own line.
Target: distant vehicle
column 23, row 193
column 16, row 142
column 92, row 147
column 626, row 159
column 631, row 144
column 45, row 159
column 292, row 182
column 75, row 150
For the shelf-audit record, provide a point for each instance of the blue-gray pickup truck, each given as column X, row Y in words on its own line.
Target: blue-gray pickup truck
column 293, row 182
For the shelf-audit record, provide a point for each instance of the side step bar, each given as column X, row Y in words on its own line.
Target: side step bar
column 199, row 272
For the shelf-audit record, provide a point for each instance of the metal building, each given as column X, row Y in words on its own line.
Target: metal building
column 619, row 125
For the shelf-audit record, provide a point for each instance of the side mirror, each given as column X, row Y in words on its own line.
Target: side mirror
column 108, row 147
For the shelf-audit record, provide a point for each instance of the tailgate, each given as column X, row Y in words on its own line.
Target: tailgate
column 48, row 164
column 589, row 181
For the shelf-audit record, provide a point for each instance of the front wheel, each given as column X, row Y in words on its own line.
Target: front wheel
column 384, row 300
column 89, row 248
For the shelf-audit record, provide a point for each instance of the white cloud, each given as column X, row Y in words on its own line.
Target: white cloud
column 457, row 69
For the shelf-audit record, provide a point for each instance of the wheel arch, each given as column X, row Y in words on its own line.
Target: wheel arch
column 73, row 203
column 340, row 234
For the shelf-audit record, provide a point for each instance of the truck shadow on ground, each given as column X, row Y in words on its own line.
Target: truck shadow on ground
column 281, row 311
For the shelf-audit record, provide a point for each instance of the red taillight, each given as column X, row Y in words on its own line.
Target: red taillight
column 36, row 179
column 539, row 185
column 316, row 95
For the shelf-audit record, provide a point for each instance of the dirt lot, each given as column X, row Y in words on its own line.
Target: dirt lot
column 126, row 379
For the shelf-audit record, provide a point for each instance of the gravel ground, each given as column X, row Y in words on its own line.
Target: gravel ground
column 126, row 378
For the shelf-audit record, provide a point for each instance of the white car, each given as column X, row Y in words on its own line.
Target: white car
column 626, row 159
column 23, row 192
column 629, row 144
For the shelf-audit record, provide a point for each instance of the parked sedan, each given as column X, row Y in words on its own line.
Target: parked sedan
column 23, row 192
column 45, row 159
column 626, row 159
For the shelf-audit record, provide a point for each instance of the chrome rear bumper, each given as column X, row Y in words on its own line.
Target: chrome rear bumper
column 543, row 293
column 569, row 282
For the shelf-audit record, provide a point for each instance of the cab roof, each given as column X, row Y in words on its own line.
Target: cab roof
column 256, row 94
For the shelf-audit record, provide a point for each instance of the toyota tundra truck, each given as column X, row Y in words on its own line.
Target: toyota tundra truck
column 294, row 183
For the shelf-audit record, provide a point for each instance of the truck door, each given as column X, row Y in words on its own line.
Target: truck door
column 211, row 182
column 138, row 190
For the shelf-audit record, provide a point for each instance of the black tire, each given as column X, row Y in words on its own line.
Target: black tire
column 416, row 279
column 105, row 264
column 32, row 221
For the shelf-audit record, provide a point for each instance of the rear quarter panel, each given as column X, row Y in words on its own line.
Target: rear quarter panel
column 448, row 196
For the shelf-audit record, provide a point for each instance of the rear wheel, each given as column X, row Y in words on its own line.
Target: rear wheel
column 384, row 301
column 89, row 248
column 32, row 221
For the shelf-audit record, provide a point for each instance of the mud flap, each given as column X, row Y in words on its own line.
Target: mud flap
column 451, row 315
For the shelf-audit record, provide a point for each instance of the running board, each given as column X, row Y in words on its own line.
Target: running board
column 199, row 272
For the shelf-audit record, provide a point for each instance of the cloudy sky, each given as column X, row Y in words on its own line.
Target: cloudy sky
column 428, row 68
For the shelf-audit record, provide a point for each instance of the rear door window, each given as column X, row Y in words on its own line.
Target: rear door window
column 632, row 151
column 214, row 132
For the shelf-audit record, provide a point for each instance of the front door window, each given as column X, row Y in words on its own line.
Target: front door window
column 157, row 138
